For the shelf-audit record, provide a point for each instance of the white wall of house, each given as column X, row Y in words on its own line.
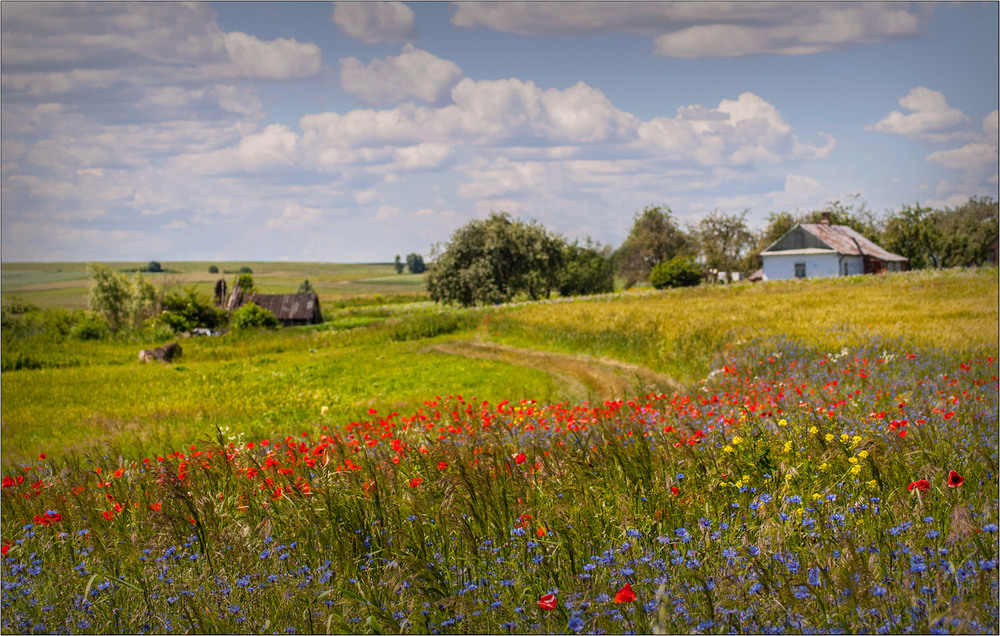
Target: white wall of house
column 778, row 266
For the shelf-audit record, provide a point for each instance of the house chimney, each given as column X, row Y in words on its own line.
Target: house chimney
column 825, row 220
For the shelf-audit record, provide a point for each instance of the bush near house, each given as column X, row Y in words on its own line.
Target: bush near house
column 677, row 272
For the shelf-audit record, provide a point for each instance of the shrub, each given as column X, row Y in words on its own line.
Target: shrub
column 89, row 327
column 154, row 267
column 677, row 272
column 189, row 310
column 212, row 269
column 251, row 316
column 246, row 270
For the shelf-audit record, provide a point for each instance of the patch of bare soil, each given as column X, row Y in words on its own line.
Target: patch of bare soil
column 579, row 377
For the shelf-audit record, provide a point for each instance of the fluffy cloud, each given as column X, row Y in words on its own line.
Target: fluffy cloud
column 739, row 131
column 972, row 159
column 375, row 21
column 697, row 30
column 413, row 73
column 931, row 118
column 275, row 59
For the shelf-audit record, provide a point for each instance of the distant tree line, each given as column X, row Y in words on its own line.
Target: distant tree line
column 498, row 259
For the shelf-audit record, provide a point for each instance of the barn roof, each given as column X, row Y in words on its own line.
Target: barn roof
column 839, row 238
column 289, row 307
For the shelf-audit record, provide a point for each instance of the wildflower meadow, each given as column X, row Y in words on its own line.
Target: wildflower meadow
column 793, row 491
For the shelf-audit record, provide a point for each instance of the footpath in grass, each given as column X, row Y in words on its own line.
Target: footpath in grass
column 796, row 490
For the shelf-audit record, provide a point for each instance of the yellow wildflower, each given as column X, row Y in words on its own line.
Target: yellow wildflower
column 824, row 466
column 853, row 460
column 736, row 440
column 873, row 484
column 863, row 454
column 855, row 470
column 782, row 422
column 813, row 430
column 829, row 437
column 727, row 449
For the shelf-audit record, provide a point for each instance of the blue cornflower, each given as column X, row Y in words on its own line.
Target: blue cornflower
column 679, row 476
column 635, row 534
column 879, row 591
column 990, row 527
column 576, row 624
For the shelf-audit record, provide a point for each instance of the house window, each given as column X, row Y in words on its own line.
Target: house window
column 800, row 270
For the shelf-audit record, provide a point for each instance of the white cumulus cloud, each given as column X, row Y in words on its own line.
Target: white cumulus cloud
column 412, row 73
column 931, row 118
column 375, row 21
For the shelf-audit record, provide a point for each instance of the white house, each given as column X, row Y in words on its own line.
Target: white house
column 815, row 250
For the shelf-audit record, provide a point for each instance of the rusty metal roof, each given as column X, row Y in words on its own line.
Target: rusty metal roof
column 842, row 239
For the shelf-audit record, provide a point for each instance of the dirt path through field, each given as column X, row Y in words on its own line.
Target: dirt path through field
column 579, row 377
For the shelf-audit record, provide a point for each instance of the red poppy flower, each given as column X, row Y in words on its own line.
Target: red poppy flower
column 625, row 595
column 155, row 506
column 442, row 465
column 42, row 456
column 547, row 602
column 955, row 480
column 675, row 490
column 109, row 514
column 5, row 548
column 119, row 472
column 416, row 481
column 920, row 484
column 520, row 458
column 541, row 532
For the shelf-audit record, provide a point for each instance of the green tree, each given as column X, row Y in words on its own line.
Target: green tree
column 679, row 271
column 415, row 264
column 306, row 288
column 966, row 232
column 399, row 264
column 154, row 267
column 144, row 299
column 245, row 282
column 110, row 295
column 213, row 269
column 913, row 232
column 491, row 260
column 245, row 270
column 655, row 237
column 725, row 241
column 587, row 269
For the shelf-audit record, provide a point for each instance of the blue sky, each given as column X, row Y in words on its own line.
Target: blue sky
column 355, row 132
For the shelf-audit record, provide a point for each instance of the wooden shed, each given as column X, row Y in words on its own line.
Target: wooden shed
column 289, row 309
